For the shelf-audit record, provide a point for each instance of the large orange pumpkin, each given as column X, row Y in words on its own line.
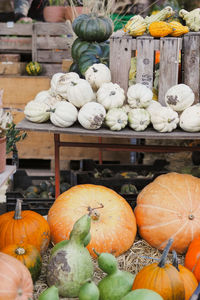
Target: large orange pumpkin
column 192, row 258
column 15, row 279
column 169, row 208
column 26, row 226
column 113, row 226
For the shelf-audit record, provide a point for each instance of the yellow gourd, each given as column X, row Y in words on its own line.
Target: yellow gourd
column 162, row 15
column 160, row 29
column 136, row 26
column 179, row 29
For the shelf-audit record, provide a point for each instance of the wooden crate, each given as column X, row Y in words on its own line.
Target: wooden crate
column 122, row 48
column 48, row 43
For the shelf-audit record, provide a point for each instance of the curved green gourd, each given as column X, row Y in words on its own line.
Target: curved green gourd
column 49, row 294
column 117, row 283
column 89, row 291
column 70, row 264
column 142, row 294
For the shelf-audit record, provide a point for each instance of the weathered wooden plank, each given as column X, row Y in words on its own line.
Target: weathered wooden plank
column 191, row 63
column 17, row 43
column 34, row 44
column 120, row 61
column 54, row 28
column 54, row 56
column 145, row 61
column 16, row 29
column 50, row 69
column 169, row 63
column 49, row 42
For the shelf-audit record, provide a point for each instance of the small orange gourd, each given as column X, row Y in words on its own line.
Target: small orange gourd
column 178, row 28
column 28, row 255
column 24, row 227
column 192, row 257
column 160, row 29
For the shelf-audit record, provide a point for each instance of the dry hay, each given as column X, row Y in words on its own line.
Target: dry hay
column 139, row 255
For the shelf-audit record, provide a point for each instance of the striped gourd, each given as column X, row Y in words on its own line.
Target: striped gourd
column 33, row 68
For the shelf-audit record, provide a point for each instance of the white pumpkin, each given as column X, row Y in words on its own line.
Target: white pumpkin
column 139, row 96
column 97, row 74
column 59, row 83
column 164, row 119
column 63, row 114
column 126, row 108
column 110, row 95
column 139, row 119
column 179, row 97
column 91, row 115
column 46, row 97
column 37, row 112
column 116, row 119
column 80, row 92
column 190, row 118
column 153, row 106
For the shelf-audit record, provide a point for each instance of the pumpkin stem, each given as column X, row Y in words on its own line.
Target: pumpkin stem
column 175, row 260
column 94, row 69
column 112, row 93
column 165, row 253
column 51, row 110
column 20, row 251
column 18, row 210
column 90, row 209
column 97, row 254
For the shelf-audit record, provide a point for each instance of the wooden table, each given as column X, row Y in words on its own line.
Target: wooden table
column 149, row 133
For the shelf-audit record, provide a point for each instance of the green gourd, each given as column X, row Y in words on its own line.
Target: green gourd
column 116, row 283
column 89, row 291
column 49, row 294
column 142, row 294
column 70, row 264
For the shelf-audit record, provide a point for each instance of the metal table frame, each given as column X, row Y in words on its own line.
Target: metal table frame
column 103, row 132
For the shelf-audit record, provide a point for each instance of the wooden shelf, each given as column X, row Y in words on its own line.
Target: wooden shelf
column 10, row 170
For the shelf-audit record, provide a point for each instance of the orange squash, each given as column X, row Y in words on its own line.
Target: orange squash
column 15, row 279
column 188, row 278
column 160, row 29
column 192, row 258
column 27, row 226
column 169, row 207
column 28, row 255
column 113, row 226
column 162, row 278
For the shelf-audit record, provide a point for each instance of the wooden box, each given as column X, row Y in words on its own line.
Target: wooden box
column 12, row 68
column 123, row 47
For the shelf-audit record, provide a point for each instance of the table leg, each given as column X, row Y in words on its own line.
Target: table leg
column 100, row 151
column 57, row 164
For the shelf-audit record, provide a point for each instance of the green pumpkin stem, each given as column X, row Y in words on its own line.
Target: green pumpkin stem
column 165, row 253
column 97, row 254
column 18, row 210
column 175, row 260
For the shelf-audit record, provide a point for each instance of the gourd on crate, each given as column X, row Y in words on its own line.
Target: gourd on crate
column 136, row 26
column 162, row 15
column 160, row 29
column 33, row 68
column 191, row 18
column 178, row 28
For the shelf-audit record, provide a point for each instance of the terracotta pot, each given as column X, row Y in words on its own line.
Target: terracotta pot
column 54, row 14
column 2, row 154
column 72, row 12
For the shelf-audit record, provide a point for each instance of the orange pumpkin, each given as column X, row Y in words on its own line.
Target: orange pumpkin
column 161, row 278
column 188, row 278
column 28, row 255
column 27, row 226
column 169, row 208
column 192, row 258
column 113, row 226
column 15, row 279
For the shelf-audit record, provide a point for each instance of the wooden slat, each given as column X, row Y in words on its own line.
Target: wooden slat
column 17, row 29
column 53, row 56
column 48, row 42
column 169, row 63
column 145, row 61
column 50, row 69
column 34, row 44
column 17, row 43
column 54, row 28
column 191, row 61
column 120, row 61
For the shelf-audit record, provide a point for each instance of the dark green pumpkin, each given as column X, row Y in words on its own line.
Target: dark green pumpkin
column 95, row 54
column 74, row 68
column 92, row 28
column 33, row 68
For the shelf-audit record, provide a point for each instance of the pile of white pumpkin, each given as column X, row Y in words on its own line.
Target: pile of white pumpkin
column 96, row 101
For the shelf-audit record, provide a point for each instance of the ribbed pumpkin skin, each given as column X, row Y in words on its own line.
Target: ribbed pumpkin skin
column 192, row 258
column 15, row 279
column 32, row 229
column 169, row 207
column 92, row 28
column 165, row 281
column 179, row 29
column 189, row 281
column 113, row 231
column 28, row 255
column 160, row 29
